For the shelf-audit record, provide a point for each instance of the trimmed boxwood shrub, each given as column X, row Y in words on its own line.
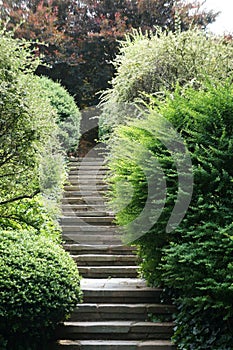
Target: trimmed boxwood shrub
column 39, row 286
column 195, row 260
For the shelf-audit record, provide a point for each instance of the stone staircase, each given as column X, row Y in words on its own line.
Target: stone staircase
column 117, row 304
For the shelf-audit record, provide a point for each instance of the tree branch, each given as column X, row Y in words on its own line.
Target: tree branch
column 19, row 198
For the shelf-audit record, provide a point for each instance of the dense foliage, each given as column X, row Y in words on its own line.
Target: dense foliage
column 26, row 122
column 154, row 63
column 195, row 259
column 39, row 286
column 39, row 283
column 67, row 111
column 29, row 145
column 80, row 37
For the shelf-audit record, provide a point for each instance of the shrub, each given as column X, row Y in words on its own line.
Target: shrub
column 195, row 259
column 31, row 158
column 157, row 62
column 68, row 113
column 39, row 286
column 28, row 122
column 200, row 271
column 39, row 215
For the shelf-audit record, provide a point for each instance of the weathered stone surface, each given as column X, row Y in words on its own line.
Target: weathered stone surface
column 101, row 312
column 115, row 345
column 107, row 239
column 126, row 330
column 116, row 304
column 108, row 271
column 98, row 249
column 100, row 220
column 104, row 259
column 104, row 229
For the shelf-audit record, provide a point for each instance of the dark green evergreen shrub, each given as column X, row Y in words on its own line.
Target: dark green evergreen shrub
column 157, row 62
column 200, row 271
column 39, row 286
column 67, row 111
column 195, row 259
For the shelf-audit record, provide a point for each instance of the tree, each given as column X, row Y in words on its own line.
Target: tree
column 81, row 37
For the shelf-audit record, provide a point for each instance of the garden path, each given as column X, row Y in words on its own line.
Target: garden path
column 117, row 304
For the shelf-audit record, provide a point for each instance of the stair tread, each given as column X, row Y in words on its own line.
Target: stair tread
column 108, row 257
column 104, row 217
column 116, row 342
column 118, row 323
column 128, row 305
column 88, row 227
column 98, row 247
column 116, row 284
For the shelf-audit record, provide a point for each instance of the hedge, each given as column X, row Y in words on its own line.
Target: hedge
column 194, row 260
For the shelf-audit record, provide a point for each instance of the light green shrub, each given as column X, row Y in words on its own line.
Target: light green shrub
column 31, row 159
column 39, row 286
column 68, row 113
column 154, row 63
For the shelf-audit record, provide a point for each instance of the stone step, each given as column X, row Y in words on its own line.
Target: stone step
column 89, row 176
column 75, row 181
column 105, row 259
column 81, row 193
column 86, row 228
column 114, row 345
column 87, row 159
column 80, row 200
column 91, row 164
column 86, row 175
column 91, row 239
column 85, row 213
column 87, row 171
column 99, row 249
column 114, row 330
column 106, row 312
column 79, row 220
column 83, row 207
column 119, row 291
column 108, row 271
column 86, row 188
column 87, row 162
column 116, row 303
